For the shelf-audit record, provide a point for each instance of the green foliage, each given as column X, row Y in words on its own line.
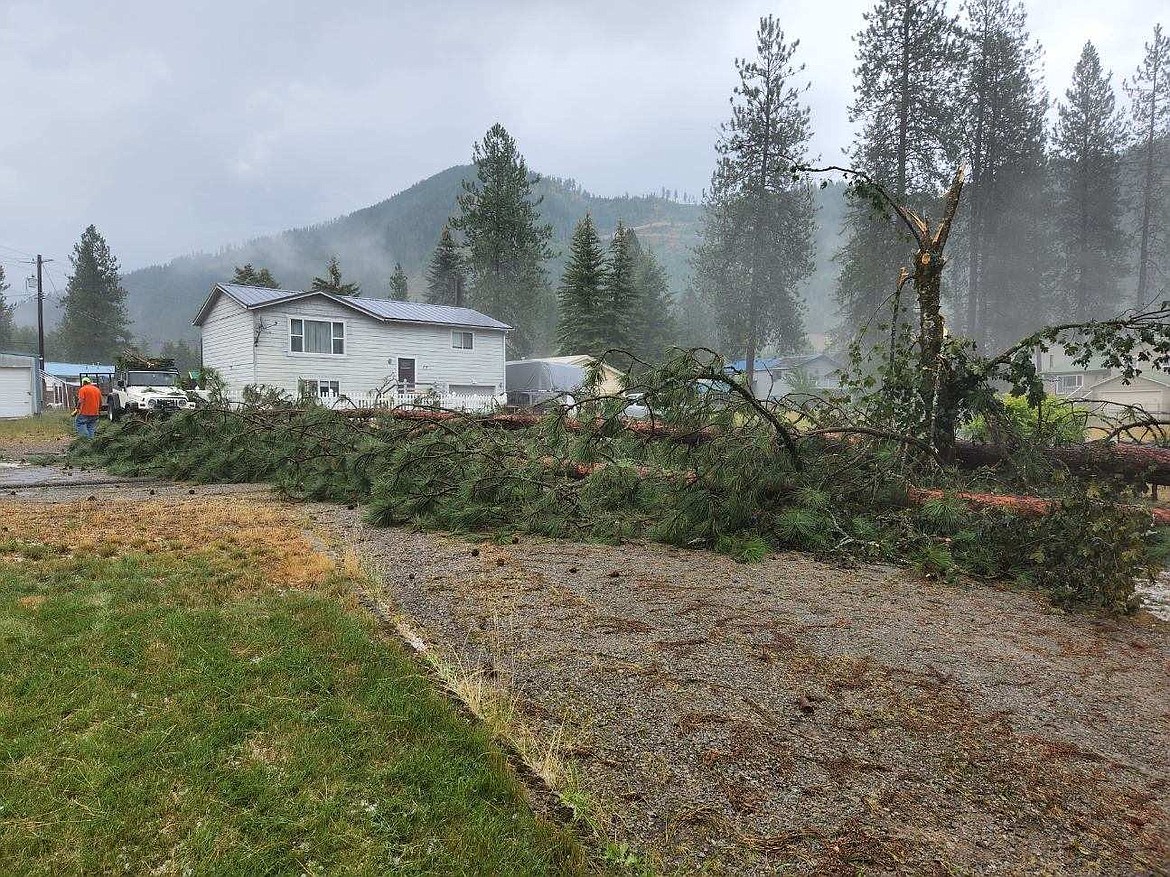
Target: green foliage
column 1090, row 136
column 445, row 277
column 247, row 275
column 506, row 242
column 758, row 229
column 1053, row 421
column 620, row 293
column 741, row 490
column 907, row 108
column 583, row 317
column 1089, row 552
column 332, row 282
column 653, row 328
column 94, row 326
column 399, row 286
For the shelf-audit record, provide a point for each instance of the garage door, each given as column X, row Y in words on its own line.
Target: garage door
column 15, row 391
column 1151, row 402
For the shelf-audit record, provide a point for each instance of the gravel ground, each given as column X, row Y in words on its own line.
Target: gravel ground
column 794, row 716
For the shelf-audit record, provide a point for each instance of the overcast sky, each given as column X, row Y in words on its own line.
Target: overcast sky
column 184, row 126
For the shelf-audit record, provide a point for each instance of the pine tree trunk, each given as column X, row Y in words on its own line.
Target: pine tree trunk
column 750, row 365
column 1147, row 205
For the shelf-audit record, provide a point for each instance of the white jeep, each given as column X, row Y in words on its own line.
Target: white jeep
column 147, row 391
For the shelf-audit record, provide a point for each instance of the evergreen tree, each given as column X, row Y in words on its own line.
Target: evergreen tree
column 249, row 276
column 757, row 234
column 695, row 326
column 95, row 326
column 1008, row 252
column 333, row 282
column 583, row 316
column 445, row 277
column 399, row 286
column 507, row 244
column 6, row 323
column 654, row 329
column 909, row 59
column 1149, row 93
column 1088, row 141
column 620, row 293
column 185, row 355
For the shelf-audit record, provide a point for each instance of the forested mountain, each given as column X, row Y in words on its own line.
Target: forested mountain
column 402, row 229
column 405, row 229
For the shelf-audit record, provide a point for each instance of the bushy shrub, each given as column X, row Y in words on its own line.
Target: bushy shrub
column 1054, row 421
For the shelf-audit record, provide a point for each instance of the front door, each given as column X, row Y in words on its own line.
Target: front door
column 405, row 375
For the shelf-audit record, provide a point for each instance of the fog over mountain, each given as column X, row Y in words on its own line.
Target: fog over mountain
column 405, row 228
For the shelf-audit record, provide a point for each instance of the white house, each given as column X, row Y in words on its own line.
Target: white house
column 340, row 347
column 1101, row 384
column 778, row 376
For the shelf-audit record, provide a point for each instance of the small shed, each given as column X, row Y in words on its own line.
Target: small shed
column 20, row 385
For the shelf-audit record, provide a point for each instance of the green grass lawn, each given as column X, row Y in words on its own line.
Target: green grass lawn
column 181, row 705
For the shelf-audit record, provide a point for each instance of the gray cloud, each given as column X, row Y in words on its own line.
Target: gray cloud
column 181, row 127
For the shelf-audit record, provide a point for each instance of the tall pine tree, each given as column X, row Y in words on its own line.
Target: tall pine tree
column 445, row 277
column 620, row 293
column 909, row 59
column 1088, row 141
column 654, row 329
column 6, row 323
column 1149, row 94
column 583, row 315
column 757, row 234
column 247, row 275
column 94, row 326
column 332, row 281
column 507, row 244
column 399, row 285
column 1007, row 282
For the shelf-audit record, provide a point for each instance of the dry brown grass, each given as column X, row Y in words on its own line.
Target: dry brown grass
column 255, row 545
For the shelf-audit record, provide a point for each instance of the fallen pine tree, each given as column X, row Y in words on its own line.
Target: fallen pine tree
column 1138, row 463
column 737, row 492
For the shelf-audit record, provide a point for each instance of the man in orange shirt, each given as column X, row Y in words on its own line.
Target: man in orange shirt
column 89, row 406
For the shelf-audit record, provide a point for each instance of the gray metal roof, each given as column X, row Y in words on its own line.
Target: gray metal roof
column 386, row 310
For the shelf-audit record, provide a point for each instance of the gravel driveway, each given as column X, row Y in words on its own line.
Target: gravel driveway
column 796, row 716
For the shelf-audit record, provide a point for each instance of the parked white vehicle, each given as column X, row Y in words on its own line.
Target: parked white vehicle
column 142, row 391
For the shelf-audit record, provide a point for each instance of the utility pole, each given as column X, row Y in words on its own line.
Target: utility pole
column 41, row 312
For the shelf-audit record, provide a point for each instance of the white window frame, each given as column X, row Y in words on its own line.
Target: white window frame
column 1062, row 385
column 458, row 336
column 344, row 339
column 326, row 388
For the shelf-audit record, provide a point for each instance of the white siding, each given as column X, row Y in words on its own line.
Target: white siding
column 372, row 349
column 227, row 345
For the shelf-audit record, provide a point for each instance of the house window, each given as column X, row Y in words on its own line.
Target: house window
column 1069, row 383
column 316, row 336
column 462, row 340
column 317, row 389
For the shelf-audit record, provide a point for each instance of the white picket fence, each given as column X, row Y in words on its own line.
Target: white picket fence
column 472, row 404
